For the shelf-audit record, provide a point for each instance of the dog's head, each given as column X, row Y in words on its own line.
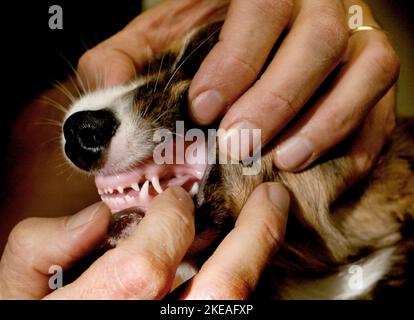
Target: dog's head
column 114, row 133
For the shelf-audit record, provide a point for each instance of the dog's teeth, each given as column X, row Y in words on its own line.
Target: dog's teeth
column 101, row 192
column 129, row 199
column 156, row 184
column 120, row 189
column 144, row 190
column 194, row 189
column 135, row 186
column 110, row 190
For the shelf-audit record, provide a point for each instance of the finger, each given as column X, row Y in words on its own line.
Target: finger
column 370, row 72
column 36, row 244
column 370, row 139
column 144, row 265
column 259, row 230
column 249, row 32
column 116, row 60
column 311, row 50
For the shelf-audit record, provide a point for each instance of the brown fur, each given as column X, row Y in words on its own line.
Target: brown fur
column 324, row 232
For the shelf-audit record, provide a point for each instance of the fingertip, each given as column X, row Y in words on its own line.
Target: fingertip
column 177, row 194
column 88, row 215
column 104, row 67
column 294, row 154
column 207, row 106
column 278, row 196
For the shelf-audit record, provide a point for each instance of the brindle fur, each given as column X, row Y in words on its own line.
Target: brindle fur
column 324, row 232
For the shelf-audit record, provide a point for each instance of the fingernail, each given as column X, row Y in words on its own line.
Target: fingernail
column 294, row 152
column 84, row 217
column 239, row 140
column 207, row 106
column 179, row 193
column 279, row 196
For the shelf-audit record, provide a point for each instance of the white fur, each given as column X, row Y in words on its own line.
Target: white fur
column 337, row 286
column 185, row 271
column 128, row 145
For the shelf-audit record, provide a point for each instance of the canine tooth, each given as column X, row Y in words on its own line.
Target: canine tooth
column 156, row 184
column 194, row 189
column 144, row 190
column 135, row 186
column 120, row 189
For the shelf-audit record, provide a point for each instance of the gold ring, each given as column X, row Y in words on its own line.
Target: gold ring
column 364, row 28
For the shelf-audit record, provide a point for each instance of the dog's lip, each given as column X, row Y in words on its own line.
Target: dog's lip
column 139, row 185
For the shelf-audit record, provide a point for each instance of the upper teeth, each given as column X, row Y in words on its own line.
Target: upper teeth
column 144, row 189
column 135, row 186
column 156, row 184
column 194, row 189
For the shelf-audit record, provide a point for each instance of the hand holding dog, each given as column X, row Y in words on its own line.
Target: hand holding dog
column 359, row 98
column 139, row 267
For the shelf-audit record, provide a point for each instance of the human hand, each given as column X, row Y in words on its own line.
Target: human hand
column 317, row 42
column 143, row 266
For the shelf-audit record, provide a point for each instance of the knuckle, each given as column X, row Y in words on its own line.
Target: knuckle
column 385, row 60
column 391, row 122
column 137, row 276
column 277, row 101
column 225, row 287
column 332, row 33
column 88, row 59
column 20, row 241
column 363, row 163
column 283, row 8
column 244, row 65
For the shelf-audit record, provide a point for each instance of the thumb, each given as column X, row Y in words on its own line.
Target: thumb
column 36, row 244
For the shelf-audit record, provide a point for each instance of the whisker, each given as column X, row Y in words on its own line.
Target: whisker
column 188, row 57
column 76, row 73
column 58, row 85
column 149, row 65
column 159, row 73
column 50, row 141
column 75, row 85
column 40, row 123
column 46, row 121
column 52, row 103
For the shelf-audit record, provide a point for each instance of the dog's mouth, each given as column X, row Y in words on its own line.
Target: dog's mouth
column 139, row 185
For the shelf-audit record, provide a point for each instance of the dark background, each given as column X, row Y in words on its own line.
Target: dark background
column 33, row 56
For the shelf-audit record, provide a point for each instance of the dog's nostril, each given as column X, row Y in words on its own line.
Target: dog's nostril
column 87, row 133
column 91, row 137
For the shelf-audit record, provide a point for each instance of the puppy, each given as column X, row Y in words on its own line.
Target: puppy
column 330, row 240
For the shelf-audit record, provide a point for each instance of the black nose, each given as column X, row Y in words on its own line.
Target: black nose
column 87, row 134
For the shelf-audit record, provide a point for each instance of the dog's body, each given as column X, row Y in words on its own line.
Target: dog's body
column 358, row 245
